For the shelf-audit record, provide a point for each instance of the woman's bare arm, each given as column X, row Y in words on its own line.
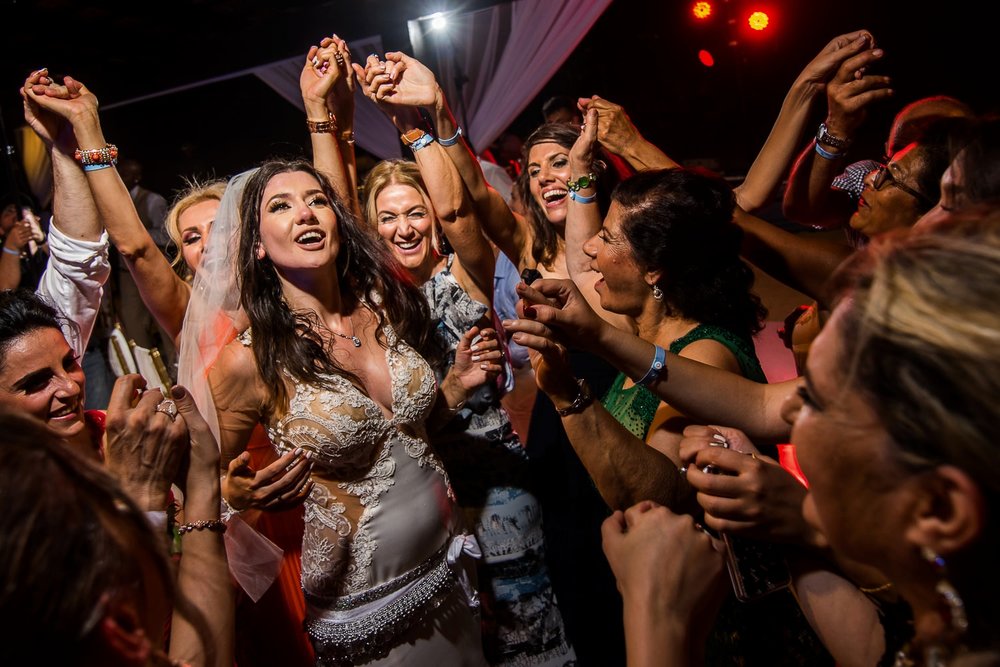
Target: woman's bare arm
column 163, row 292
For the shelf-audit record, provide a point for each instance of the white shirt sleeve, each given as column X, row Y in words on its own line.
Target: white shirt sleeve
column 73, row 282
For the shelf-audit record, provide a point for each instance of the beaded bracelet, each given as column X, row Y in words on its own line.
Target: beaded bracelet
column 97, row 156
column 322, row 126
column 827, row 155
column 658, row 366
column 452, row 140
column 214, row 525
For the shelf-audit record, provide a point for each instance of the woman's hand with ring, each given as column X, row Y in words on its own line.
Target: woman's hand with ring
column 145, row 446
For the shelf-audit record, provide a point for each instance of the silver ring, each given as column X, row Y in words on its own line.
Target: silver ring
column 339, row 58
column 169, row 408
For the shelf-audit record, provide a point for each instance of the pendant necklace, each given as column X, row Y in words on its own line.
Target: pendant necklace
column 353, row 338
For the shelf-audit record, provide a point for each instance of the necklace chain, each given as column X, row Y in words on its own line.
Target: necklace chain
column 353, row 338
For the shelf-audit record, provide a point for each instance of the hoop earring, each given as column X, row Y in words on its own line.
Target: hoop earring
column 657, row 292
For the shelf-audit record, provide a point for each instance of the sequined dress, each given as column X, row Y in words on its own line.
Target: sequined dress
column 382, row 571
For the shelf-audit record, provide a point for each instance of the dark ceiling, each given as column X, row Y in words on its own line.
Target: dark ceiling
column 640, row 53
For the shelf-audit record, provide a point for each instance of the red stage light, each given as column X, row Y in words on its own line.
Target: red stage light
column 706, row 58
column 701, row 9
column 758, row 21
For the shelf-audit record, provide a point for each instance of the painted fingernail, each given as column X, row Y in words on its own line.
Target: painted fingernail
column 475, row 347
column 484, row 367
column 507, row 323
column 718, row 437
column 298, row 451
column 476, row 357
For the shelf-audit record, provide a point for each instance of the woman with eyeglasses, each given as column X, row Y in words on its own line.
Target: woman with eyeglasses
column 895, row 196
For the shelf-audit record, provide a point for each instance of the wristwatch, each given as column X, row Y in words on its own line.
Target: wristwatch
column 412, row 136
column 583, row 399
column 823, row 136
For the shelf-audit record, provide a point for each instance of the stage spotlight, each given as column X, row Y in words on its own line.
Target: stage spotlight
column 438, row 21
column 758, row 21
column 706, row 58
column 701, row 10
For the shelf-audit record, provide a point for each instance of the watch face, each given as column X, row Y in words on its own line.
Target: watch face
column 413, row 135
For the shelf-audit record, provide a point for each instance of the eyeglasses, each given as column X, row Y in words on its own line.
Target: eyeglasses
column 883, row 177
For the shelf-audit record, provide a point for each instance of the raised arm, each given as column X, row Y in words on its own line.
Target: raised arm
column 778, row 151
column 618, row 134
column 556, row 310
column 327, row 86
column 476, row 262
column 408, row 81
column 163, row 292
column 78, row 259
column 809, row 198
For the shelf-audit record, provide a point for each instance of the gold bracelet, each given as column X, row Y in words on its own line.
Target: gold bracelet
column 322, row 126
column 876, row 589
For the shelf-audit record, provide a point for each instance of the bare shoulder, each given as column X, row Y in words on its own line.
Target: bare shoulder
column 234, row 378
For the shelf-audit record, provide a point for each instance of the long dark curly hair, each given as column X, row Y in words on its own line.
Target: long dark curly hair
column 680, row 222
column 545, row 245
column 296, row 342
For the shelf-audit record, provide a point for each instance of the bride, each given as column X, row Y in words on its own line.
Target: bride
column 332, row 363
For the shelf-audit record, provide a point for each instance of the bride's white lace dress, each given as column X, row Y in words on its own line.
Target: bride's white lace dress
column 381, row 571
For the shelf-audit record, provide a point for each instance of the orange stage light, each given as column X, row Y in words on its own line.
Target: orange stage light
column 702, row 9
column 758, row 21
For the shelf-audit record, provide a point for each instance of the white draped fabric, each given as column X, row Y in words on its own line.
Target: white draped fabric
column 504, row 55
column 373, row 131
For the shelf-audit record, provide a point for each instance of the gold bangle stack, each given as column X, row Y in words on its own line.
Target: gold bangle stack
column 322, row 126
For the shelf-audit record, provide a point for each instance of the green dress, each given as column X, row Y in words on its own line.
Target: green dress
column 635, row 407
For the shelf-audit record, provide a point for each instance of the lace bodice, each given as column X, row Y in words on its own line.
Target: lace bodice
column 382, row 502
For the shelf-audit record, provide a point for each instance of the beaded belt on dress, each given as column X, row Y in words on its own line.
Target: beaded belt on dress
column 367, row 625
